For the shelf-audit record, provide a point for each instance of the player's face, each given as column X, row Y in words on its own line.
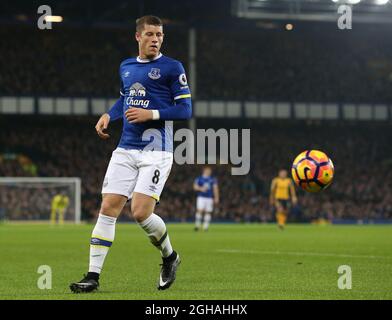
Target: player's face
column 283, row 174
column 150, row 41
column 207, row 172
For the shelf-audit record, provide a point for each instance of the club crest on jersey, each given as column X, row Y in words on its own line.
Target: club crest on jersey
column 154, row 74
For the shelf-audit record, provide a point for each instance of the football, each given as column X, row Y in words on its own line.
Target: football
column 312, row 170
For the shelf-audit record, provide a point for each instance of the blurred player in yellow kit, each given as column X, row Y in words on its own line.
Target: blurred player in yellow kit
column 282, row 191
column 60, row 204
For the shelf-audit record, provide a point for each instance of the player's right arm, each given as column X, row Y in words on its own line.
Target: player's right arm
column 272, row 192
column 197, row 187
column 102, row 125
column 114, row 113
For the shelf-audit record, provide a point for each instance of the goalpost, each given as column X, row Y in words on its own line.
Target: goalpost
column 30, row 198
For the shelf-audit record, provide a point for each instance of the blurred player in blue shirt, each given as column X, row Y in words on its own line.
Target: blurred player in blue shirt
column 153, row 90
column 207, row 190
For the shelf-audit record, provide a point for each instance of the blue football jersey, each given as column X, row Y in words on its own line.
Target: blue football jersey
column 208, row 182
column 156, row 84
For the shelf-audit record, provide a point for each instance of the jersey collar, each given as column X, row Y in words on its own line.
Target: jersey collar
column 148, row 60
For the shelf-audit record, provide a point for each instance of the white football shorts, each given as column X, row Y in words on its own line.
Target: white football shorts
column 140, row 171
column 204, row 204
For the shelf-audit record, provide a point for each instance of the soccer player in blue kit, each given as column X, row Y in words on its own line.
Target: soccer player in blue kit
column 207, row 190
column 153, row 89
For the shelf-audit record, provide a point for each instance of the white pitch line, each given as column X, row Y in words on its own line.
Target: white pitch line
column 295, row 253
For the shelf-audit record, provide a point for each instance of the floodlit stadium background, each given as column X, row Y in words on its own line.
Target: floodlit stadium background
column 281, row 68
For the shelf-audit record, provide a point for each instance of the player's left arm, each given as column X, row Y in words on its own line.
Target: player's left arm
column 197, row 187
column 182, row 108
column 66, row 201
column 216, row 193
column 294, row 199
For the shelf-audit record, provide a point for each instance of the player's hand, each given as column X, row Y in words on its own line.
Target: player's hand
column 137, row 115
column 216, row 201
column 102, row 125
column 295, row 200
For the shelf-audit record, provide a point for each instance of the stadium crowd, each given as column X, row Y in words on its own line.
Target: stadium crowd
column 305, row 65
column 362, row 156
column 316, row 64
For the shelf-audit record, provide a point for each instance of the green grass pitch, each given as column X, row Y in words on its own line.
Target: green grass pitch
column 228, row 262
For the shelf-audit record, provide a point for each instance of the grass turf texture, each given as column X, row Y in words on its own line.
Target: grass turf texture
column 227, row 262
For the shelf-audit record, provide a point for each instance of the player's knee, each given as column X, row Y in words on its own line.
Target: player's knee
column 142, row 206
column 141, row 210
column 140, row 213
column 111, row 207
column 108, row 210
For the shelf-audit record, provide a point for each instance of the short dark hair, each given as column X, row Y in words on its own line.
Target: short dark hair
column 150, row 20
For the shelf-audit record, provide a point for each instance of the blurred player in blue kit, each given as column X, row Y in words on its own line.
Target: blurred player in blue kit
column 207, row 190
column 153, row 92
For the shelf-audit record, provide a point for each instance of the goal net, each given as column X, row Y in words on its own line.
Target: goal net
column 34, row 199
